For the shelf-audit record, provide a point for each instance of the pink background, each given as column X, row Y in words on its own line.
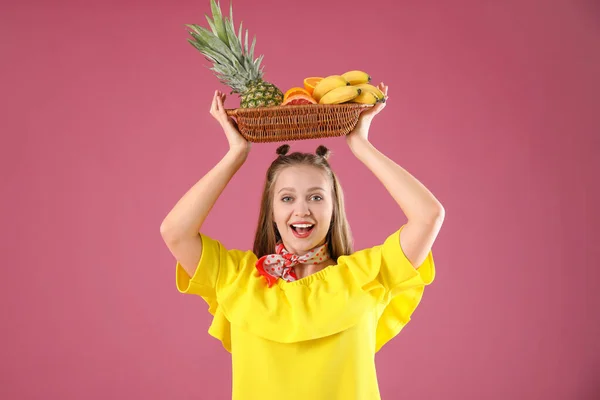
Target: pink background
column 493, row 106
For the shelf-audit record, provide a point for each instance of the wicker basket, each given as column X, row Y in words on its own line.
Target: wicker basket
column 296, row 122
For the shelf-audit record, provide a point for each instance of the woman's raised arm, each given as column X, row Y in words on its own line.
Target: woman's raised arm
column 180, row 227
column 424, row 212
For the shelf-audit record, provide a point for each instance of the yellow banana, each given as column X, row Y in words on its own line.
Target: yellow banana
column 365, row 97
column 366, row 87
column 328, row 84
column 356, row 77
column 340, row 95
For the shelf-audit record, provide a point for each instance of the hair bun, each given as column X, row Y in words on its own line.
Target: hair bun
column 283, row 149
column 323, row 151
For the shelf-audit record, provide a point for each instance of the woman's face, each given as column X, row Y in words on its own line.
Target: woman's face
column 302, row 207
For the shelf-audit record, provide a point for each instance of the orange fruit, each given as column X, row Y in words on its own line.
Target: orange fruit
column 298, row 99
column 294, row 91
column 310, row 83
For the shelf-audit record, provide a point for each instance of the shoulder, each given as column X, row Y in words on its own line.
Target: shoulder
column 385, row 262
column 229, row 262
column 217, row 248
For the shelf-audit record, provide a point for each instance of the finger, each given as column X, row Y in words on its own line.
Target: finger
column 370, row 111
column 384, row 90
column 213, row 105
column 221, row 110
column 219, row 102
column 376, row 109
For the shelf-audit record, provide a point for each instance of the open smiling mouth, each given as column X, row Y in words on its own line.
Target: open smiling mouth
column 302, row 230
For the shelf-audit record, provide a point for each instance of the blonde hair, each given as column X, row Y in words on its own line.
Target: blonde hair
column 339, row 237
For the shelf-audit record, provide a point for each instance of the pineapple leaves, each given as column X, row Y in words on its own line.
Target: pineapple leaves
column 240, row 37
column 252, row 48
column 204, row 37
column 212, row 54
column 218, row 21
column 195, row 30
column 258, row 61
column 233, row 61
column 233, row 42
column 249, row 66
column 211, row 24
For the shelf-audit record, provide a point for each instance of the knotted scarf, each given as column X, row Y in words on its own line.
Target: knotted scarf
column 281, row 264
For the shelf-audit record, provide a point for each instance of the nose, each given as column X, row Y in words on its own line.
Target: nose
column 301, row 209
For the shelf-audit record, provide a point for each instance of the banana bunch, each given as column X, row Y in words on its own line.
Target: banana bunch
column 353, row 87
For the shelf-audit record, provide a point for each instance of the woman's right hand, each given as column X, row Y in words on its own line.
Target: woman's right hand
column 235, row 139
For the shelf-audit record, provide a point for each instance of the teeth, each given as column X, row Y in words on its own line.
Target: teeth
column 302, row 226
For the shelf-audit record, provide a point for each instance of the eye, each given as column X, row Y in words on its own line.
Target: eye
column 316, row 197
column 286, row 199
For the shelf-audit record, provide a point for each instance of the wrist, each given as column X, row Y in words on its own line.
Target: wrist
column 239, row 153
column 358, row 144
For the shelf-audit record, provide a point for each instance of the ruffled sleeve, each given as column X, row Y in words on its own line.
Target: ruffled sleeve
column 216, row 268
column 395, row 284
column 404, row 285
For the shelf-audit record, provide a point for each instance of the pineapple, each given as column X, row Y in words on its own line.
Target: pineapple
column 233, row 64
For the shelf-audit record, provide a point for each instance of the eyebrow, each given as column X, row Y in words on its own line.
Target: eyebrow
column 289, row 189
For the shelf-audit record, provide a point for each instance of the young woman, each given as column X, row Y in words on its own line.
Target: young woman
column 303, row 314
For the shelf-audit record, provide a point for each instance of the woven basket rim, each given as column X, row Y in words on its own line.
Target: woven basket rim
column 234, row 111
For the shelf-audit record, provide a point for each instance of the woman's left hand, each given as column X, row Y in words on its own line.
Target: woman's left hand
column 366, row 116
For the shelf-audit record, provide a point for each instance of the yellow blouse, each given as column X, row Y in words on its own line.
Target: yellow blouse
column 314, row 338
